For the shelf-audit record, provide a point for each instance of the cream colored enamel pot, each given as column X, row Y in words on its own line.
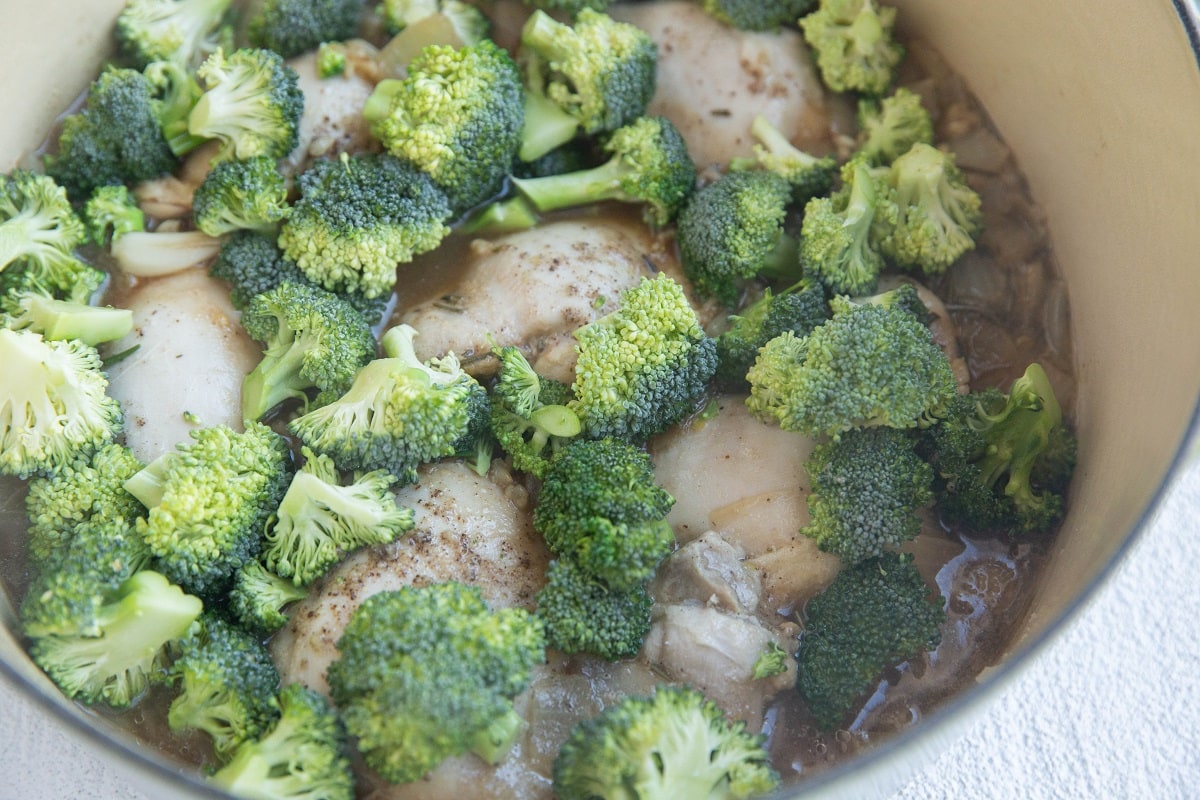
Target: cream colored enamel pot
column 1100, row 100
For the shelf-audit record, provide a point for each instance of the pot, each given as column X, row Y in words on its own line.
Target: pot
column 1100, row 101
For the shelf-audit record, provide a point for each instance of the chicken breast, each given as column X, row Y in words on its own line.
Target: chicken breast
column 332, row 122
column 191, row 360
column 761, row 73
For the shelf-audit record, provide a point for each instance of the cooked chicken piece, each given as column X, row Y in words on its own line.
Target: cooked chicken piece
column 188, row 369
column 468, row 529
column 759, row 73
column 332, row 122
column 532, row 289
column 710, row 571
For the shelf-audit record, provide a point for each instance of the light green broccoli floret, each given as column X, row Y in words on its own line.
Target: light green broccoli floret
column 854, row 46
column 241, row 194
column 468, row 23
column 259, row 598
column 889, row 127
column 529, row 418
column 37, row 222
column 183, row 31
column 798, row 308
column 808, row 175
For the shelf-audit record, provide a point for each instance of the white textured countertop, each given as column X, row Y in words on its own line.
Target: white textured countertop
column 1111, row 709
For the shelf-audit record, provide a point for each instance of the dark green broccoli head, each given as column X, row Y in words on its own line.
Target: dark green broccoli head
column 732, row 229
column 582, row 614
column 358, row 218
column 457, row 115
column 869, row 365
column 258, row 598
column 426, row 673
column 241, row 194
column 64, row 319
column 209, row 500
column 313, row 340
column 854, row 46
column 874, row 615
column 225, row 682
column 116, row 138
column 758, row 15
column 292, row 27
column 867, row 486
column 674, row 744
column 251, row 103
column 889, row 127
column 251, row 263
column 184, row 31
column 799, row 308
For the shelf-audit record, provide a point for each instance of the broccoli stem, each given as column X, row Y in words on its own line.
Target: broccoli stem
column 513, row 214
column 64, row 319
column 783, row 264
column 575, row 188
column 547, row 127
column 275, row 379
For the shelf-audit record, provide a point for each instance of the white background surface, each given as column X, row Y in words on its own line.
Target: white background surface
column 1110, row 710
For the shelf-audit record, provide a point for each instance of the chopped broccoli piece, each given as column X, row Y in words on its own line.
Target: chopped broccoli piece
column 175, row 93
column 116, row 138
column 225, row 682
column 600, row 507
column 259, row 597
column 331, row 59
column 988, row 449
column 869, row 365
column 357, row 218
column 595, row 76
column 457, row 115
column 302, row 758
column 209, row 500
column 252, row 103
column 320, row 520
column 758, row 15
column 111, row 212
column 854, row 46
column 771, row 662
column 889, row 127
column 570, row 7
column 314, row 339
column 583, row 614
column 135, row 625
column 66, row 319
column 251, row 263
column 184, row 31
column 37, row 222
column 733, row 228
column 427, row 673
column 500, row 216
column 674, row 744
column 938, row 214
column 292, row 27
column 648, row 164
column 241, row 194
column 643, row 367
column 398, row 414
column 808, row 175
column 467, row 21
column 53, row 404
column 524, row 423
column 867, row 486
column 798, row 308
column 875, row 614
column 840, row 234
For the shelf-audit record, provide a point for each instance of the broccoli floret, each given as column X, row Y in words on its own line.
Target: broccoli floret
column 225, row 683
column 888, row 128
column 600, row 507
column 904, row 297
column 569, row 7
column 867, row 486
column 251, row 263
column 241, row 194
column 648, row 164
column 938, row 214
column 357, row 218
column 259, row 597
column 758, row 15
column 184, row 31
column 990, row 446
column 116, row 138
column 209, row 500
column 331, row 59
column 853, row 44
column 66, row 319
column 583, row 614
column 840, row 235
column 292, row 27
column 457, row 115
column 175, row 93
column 875, row 614
column 799, row 308
column 314, row 340
column 252, row 103
column 869, row 365
column 427, row 673
column 467, row 22
column 595, row 77
column 53, row 404
column 527, row 426
column 772, row 661
column 674, row 744
column 303, row 757
column 733, row 228
column 134, row 628
column 320, row 520
column 111, row 212
column 643, row 367
column 808, row 175
column 88, row 489
column 37, row 222
column 398, row 414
